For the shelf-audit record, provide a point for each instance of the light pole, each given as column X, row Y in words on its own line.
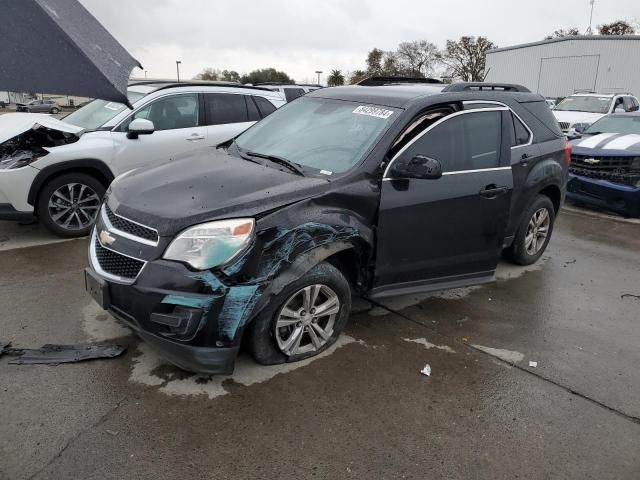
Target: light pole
column 589, row 31
column 178, row 62
column 145, row 74
column 318, row 72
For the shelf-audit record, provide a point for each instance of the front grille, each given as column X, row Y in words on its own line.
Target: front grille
column 612, row 164
column 115, row 263
column 130, row 227
column 564, row 125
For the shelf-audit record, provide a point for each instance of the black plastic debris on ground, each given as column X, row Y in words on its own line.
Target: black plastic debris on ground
column 3, row 346
column 51, row 354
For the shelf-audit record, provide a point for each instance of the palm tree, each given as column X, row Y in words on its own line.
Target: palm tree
column 336, row 78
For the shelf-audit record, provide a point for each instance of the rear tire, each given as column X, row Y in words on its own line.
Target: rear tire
column 69, row 204
column 533, row 234
column 299, row 331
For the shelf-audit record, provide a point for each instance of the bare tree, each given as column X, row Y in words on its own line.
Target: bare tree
column 466, row 58
column 561, row 32
column 619, row 27
column 418, row 57
column 336, row 78
column 390, row 65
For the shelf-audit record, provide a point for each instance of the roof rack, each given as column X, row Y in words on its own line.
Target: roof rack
column 197, row 83
column 379, row 81
column 482, row 86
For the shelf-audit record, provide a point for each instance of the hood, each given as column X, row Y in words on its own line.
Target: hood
column 206, row 185
column 608, row 144
column 13, row 124
column 576, row 117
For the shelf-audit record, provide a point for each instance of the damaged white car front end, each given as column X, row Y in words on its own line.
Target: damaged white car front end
column 25, row 139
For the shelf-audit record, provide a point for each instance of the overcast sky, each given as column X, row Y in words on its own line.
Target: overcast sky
column 301, row 36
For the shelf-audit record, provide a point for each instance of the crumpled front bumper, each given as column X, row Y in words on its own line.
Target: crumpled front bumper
column 193, row 319
column 616, row 197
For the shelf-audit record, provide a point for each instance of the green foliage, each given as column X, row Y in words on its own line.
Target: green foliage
column 356, row 76
column 561, row 32
column 619, row 27
column 266, row 75
column 212, row 74
column 336, row 78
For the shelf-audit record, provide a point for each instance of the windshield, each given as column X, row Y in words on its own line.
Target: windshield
column 328, row 135
column 616, row 124
column 584, row 104
column 98, row 112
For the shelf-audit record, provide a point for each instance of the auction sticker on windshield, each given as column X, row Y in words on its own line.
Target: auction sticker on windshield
column 373, row 111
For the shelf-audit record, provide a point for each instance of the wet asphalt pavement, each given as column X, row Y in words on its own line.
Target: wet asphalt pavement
column 363, row 410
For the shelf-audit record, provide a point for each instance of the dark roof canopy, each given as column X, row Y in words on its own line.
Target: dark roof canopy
column 57, row 46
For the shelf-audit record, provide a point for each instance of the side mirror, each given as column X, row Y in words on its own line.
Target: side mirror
column 419, row 166
column 140, row 126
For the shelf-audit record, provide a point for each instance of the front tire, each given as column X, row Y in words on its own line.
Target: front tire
column 533, row 234
column 55, row 110
column 304, row 319
column 68, row 205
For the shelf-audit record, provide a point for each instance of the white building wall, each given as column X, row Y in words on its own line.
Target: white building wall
column 558, row 68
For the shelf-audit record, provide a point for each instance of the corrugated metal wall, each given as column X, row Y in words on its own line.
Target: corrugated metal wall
column 558, row 69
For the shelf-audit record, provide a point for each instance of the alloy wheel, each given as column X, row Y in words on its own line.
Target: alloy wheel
column 74, row 206
column 537, row 231
column 305, row 323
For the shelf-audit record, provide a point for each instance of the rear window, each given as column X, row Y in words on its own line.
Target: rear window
column 542, row 112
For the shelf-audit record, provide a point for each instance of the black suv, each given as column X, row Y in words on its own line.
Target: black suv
column 377, row 190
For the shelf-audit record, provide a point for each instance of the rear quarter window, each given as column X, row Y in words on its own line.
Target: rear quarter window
column 265, row 106
column 541, row 111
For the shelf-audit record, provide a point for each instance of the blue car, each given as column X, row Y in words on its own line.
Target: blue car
column 605, row 165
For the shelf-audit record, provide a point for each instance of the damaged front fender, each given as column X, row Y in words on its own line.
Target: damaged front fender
column 26, row 140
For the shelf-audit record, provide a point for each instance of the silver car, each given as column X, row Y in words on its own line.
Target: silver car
column 39, row 106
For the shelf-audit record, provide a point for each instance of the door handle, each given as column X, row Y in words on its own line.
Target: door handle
column 493, row 191
column 194, row 137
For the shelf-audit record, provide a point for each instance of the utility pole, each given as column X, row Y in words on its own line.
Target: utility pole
column 318, row 72
column 178, row 62
column 589, row 31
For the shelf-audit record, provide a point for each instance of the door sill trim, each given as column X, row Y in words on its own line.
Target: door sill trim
column 430, row 285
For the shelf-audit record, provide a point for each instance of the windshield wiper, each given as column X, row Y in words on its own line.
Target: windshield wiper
column 280, row 161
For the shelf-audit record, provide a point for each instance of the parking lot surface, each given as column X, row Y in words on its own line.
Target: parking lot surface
column 362, row 410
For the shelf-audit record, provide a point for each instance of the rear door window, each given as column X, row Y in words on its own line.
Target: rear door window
column 224, row 108
column 265, row 106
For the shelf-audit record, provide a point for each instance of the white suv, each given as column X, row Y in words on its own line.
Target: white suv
column 59, row 170
column 289, row 92
column 577, row 112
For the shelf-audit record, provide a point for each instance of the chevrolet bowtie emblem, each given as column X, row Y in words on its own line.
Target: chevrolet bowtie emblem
column 106, row 238
column 591, row 161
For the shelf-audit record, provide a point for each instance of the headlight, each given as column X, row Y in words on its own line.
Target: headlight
column 18, row 159
column 211, row 244
column 635, row 164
